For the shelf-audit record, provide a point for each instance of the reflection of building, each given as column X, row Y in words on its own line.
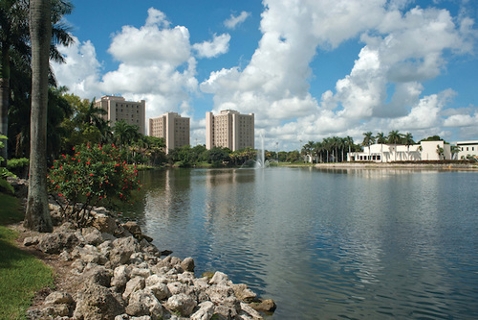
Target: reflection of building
column 172, row 127
column 426, row 150
column 117, row 108
column 467, row 148
column 229, row 129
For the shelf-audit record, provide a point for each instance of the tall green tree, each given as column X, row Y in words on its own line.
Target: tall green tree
column 368, row 140
column 394, row 137
column 15, row 47
column 408, row 141
column 349, row 143
column 37, row 215
column 13, row 35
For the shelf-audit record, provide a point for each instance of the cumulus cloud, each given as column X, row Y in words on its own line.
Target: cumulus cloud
column 209, row 49
column 81, row 70
column 155, row 64
column 234, row 21
column 403, row 47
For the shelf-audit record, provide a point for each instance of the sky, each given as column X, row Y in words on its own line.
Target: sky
column 307, row 69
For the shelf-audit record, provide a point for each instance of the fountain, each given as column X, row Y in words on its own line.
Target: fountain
column 261, row 161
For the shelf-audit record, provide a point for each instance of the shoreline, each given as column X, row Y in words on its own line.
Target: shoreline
column 395, row 165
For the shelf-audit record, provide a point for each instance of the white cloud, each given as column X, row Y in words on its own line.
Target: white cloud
column 209, row 49
column 234, row 21
column 384, row 90
column 81, row 70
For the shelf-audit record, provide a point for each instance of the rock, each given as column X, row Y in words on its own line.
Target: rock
column 160, row 291
column 104, row 223
column 243, row 293
column 97, row 302
column 142, row 303
column 205, row 312
column 219, row 278
column 58, row 297
column 98, row 275
column 135, row 284
column 121, row 275
column 267, row 305
column 247, row 312
column 122, row 250
column 182, row 303
column 30, row 241
column 134, row 229
column 188, row 264
column 54, row 243
column 229, row 308
column 92, row 236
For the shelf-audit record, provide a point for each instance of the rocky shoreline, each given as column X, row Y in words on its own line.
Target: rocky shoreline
column 117, row 273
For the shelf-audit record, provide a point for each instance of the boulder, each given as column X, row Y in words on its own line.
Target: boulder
column 266, row 305
column 144, row 302
column 54, row 243
column 97, row 302
column 104, row 223
column 182, row 303
column 205, row 312
column 188, row 264
column 135, row 284
column 122, row 250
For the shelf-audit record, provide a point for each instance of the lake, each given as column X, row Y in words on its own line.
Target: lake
column 326, row 244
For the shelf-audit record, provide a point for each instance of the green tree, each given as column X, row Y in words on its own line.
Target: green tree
column 349, row 143
column 394, row 137
column 368, row 140
column 15, row 48
column 408, row 141
column 37, row 216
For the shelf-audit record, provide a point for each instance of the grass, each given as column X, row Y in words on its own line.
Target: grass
column 21, row 274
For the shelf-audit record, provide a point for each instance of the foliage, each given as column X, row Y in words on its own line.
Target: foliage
column 21, row 275
column 4, row 172
column 18, row 166
column 93, row 174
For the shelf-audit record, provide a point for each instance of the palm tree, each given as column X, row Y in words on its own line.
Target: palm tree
column 15, row 45
column 454, row 151
column 348, row 142
column 408, row 141
column 307, row 149
column 37, row 216
column 440, row 152
column 368, row 140
column 381, row 138
column 394, row 137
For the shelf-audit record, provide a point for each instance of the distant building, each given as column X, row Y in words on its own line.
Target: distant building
column 172, row 127
column 117, row 108
column 426, row 150
column 467, row 148
column 229, row 129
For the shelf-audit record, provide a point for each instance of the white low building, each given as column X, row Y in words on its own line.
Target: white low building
column 425, row 151
column 467, row 149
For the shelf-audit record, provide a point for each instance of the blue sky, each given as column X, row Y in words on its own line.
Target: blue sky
column 307, row 69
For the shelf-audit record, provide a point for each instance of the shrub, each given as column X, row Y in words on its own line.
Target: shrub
column 92, row 175
column 4, row 172
column 18, row 166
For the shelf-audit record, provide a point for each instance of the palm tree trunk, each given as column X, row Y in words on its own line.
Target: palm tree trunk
column 4, row 99
column 37, row 215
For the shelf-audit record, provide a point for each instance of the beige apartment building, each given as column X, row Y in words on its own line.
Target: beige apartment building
column 172, row 127
column 117, row 108
column 229, row 129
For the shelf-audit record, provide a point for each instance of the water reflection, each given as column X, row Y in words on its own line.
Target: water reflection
column 364, row 244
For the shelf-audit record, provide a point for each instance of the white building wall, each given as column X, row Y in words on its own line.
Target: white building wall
column 426, row 150
column 467, row 148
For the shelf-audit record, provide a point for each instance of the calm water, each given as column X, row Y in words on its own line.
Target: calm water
column 342, row 244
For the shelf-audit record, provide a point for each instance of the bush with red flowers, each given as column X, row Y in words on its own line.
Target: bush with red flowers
column 93, row 175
